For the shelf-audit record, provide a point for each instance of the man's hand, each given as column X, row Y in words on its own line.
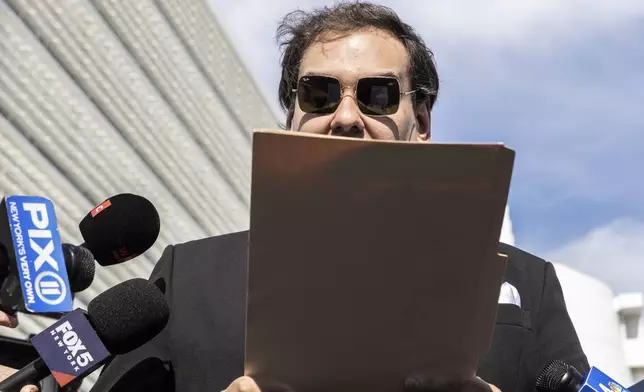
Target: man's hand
column 5, row 372
column 12, row 322
column 8, row 321
column 493, row 387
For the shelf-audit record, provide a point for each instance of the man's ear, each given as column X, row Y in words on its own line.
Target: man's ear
column 424, row 119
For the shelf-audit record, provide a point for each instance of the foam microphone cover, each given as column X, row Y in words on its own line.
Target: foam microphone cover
column 128, row 315
column 120, row 228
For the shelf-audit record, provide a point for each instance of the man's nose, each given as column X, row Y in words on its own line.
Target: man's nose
column 346, row 119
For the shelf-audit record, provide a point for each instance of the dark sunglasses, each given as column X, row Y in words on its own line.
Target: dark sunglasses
column 375, row 96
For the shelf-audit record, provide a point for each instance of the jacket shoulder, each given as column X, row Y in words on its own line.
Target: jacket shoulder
column 211, row 250
column 521, row 257
column 526, row 272
column 217, row 241
column 520, row 261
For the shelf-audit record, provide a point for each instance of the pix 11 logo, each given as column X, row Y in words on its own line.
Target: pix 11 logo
column 38, row 254
column 70, row 348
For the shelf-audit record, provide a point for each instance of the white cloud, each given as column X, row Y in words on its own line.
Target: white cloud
column 613, row 253
column 503, row 21
column 507, row 234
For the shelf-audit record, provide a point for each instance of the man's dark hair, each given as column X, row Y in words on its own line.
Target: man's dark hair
column 299, row 29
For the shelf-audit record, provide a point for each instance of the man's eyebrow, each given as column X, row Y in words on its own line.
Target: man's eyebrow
column 390, row 74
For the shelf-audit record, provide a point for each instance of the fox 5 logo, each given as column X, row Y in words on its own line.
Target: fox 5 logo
column 74, row 349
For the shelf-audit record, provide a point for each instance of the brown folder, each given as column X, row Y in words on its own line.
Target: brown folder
column 371, row 261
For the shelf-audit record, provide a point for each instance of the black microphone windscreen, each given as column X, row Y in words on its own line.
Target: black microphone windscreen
column 121, row 228
column 80, row 265
column 128, row 315
column 552, row 376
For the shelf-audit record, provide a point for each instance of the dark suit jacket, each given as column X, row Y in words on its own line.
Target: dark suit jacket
column 203, row 343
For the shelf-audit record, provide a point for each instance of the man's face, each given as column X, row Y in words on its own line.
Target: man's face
column 364, row 54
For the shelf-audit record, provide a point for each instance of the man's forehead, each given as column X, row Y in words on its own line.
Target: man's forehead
column 364, row 53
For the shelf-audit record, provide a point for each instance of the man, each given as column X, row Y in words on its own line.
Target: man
column 11, row 321
column 338, row 63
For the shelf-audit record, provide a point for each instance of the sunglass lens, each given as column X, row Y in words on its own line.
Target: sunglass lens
column 378, row 96
column 318, row 94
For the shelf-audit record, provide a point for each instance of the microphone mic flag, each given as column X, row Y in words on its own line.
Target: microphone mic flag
column 33, row 256
column 70, row 348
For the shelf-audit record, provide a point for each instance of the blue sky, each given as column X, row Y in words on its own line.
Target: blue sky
column 561, row 82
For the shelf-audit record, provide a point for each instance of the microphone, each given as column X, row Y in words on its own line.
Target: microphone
column 558, row 376
column 127, row 226
column 116, row 322
column 120, row 228
column 31, row 257
column 116, row 236
column 16, row 353
column 80, row 265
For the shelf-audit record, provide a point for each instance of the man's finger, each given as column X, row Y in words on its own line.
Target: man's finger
column 8, row 321
column 30, row 388
column 242, row 384
column 5, row 372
